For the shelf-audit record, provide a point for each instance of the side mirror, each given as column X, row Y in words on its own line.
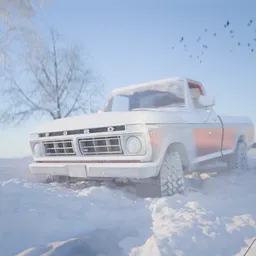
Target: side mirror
column 206, row 101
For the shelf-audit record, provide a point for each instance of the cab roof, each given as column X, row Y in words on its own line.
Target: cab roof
column 162, row 85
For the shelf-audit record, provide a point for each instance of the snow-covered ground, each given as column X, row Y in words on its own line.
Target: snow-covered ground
column 219, row 218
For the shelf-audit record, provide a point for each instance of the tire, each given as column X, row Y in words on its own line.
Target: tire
column 171, row 176
column 62, row 179
column 58, row 179
column 168, row 182
column 239, row 160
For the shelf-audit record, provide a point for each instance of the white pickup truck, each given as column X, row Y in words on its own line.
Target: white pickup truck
column 149, row 134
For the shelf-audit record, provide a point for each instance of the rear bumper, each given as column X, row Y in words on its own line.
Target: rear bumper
column 97, row 170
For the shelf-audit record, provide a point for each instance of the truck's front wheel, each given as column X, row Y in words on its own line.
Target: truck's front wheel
column 55, row 178
column 171, row 177
column 168, row 182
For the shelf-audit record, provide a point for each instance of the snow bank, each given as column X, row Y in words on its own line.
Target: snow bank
column 54, row 219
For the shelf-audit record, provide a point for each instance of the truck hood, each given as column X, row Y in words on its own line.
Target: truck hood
column 106, row 119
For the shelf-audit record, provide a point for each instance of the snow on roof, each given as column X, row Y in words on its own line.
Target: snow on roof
column 161, row 85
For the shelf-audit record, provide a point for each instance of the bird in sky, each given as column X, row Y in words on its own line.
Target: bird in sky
column 250, row 23
column 231, row 33
column 227, row 24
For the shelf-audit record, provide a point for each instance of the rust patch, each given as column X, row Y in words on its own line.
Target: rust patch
column 229, row 140
column 207, row 140
column 250, row 134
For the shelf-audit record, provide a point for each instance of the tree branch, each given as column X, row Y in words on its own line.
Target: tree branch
column 40, row 82
column 56, row 73
column 75, row 101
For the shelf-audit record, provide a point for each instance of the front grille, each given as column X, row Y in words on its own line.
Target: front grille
column 58, row 148
column 101, row 146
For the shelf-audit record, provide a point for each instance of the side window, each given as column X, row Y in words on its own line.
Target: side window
column 195, row 91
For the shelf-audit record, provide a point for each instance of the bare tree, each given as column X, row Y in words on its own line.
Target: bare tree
column 15, row 25
column 61, row 85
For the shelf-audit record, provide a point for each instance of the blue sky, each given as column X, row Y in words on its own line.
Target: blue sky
column 131, row 41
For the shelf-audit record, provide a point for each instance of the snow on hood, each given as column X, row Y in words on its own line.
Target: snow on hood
column 113, row 118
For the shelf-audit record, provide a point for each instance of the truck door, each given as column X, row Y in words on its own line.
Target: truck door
column 207, row 128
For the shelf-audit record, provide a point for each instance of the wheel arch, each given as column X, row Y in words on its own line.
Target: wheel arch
column 181, row 149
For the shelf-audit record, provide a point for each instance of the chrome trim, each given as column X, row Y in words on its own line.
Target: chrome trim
column 107, row 145
column 58, row 147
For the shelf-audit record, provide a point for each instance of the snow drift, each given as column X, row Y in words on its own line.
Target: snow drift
column 216, row 218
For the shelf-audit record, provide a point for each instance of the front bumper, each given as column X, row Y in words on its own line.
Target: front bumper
column 97, row 170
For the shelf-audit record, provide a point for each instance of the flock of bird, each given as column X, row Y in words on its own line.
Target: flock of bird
column 204, row 47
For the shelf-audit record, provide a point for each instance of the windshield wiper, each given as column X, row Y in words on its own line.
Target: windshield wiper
column 143, row 109
column 173, row 105
column 163, row 107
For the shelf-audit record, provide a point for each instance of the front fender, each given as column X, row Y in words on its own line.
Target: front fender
column 162, row 137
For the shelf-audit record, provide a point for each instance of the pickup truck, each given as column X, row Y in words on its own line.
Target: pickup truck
column 150, row 134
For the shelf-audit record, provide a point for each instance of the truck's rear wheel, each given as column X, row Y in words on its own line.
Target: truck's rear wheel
column 239, row 159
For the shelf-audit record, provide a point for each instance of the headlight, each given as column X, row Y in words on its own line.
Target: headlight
column 37, row 150
column 133, row 144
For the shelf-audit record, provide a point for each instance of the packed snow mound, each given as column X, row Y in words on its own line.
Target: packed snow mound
column 216, row 218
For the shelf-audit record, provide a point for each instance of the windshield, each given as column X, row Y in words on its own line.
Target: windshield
column 147, row 99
